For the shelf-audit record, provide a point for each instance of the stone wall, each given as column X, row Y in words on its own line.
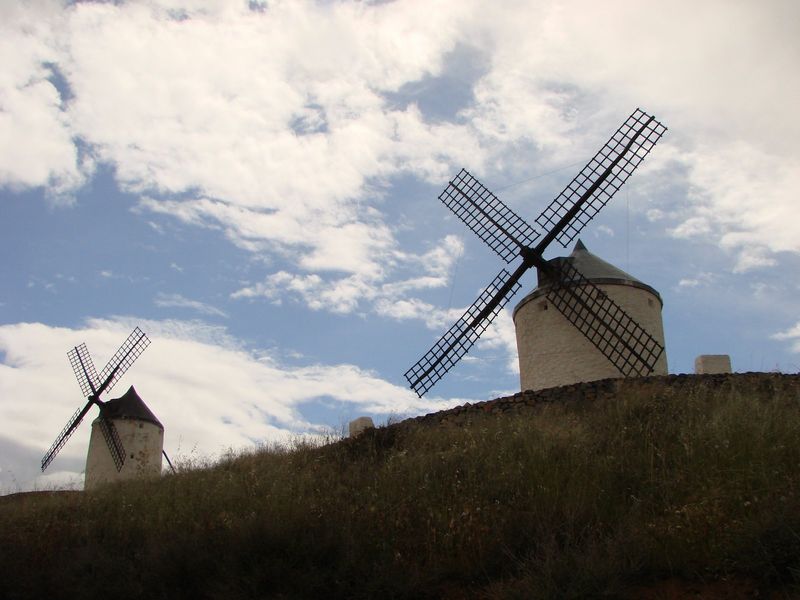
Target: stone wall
column 756, row 383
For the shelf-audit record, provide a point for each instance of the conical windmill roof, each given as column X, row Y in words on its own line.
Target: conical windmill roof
column 593, row 268
column 130, row 406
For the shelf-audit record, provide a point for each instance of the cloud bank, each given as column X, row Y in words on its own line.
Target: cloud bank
column 289, row 127
column 209, row 391
column 282, row 124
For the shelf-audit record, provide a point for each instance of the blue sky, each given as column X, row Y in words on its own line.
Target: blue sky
column 255, row 185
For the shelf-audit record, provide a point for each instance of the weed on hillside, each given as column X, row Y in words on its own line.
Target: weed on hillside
column 562, row 501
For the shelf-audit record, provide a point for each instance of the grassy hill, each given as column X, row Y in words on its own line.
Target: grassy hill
column 660, row 487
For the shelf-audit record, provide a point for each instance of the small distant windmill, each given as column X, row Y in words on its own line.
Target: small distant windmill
column 92, row 385
column 627, row 345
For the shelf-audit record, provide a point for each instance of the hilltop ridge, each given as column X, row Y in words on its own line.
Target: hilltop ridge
column 676, row 485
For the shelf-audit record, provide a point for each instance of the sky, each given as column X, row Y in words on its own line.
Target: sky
column 255, row 185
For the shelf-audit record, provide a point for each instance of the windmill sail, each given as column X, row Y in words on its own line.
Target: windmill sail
column 65, row 434
column 625, row 343
column 602, row 176
column 113, row 441
column 128, row 352
column 84, row 370
column 457, row 341
column 501, row 228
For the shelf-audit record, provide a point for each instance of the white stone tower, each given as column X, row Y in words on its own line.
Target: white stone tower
column 553, row 352
column 141, row 434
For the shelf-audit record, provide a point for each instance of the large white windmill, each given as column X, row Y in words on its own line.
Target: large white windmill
column 629, row 348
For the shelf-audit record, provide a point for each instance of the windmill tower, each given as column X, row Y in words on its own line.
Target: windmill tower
column 127, row 439
column 141, row 435
column 626, row 344
column 553, row 352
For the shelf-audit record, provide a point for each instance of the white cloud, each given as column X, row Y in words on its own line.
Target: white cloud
column 393, row 300
column 277, row 117
column 276, row 123
column 753, row 258
column 721, row 85
column 415, row 309
column 210, row 392
column 353, row 248
column 337, row 297
column 36, row 145
column 746, row 199
column 348, row 294
column 502, row 335
column 692, row 227
column 792, row 334
column 605, row 230
column 700, row 279
column 178, row 301
column 284, row 141
column 440, row 260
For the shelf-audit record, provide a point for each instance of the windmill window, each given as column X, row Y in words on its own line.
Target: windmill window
column 131, row 455
column 543, row 305
column 649, row 302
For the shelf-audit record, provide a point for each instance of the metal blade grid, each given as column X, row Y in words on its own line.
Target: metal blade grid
column 66, row 433
column 79, row 360
column 457, row 341
column 121, row 361
column 113, row 442
column 642, row 132
column 626, row 344
column 501, row 228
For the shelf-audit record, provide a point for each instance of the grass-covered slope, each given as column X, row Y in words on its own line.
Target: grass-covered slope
column 691, row 479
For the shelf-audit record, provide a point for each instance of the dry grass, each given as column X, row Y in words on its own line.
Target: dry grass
column 566, row 502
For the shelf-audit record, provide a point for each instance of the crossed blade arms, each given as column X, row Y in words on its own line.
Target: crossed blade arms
column 92, row 385
column 627, row 345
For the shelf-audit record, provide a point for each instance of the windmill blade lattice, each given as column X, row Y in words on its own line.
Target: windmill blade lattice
column 84, row 370
column 66, row 433
column 457, row 341
column 501, row 228
column 606, row 172
column 128, row 352
column 113, row 441
column 604, row 323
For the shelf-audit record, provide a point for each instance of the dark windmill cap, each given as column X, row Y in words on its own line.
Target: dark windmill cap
column 130, row 406
column 593, row 268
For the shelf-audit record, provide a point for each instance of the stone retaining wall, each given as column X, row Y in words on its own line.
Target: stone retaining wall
column 759, row 383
